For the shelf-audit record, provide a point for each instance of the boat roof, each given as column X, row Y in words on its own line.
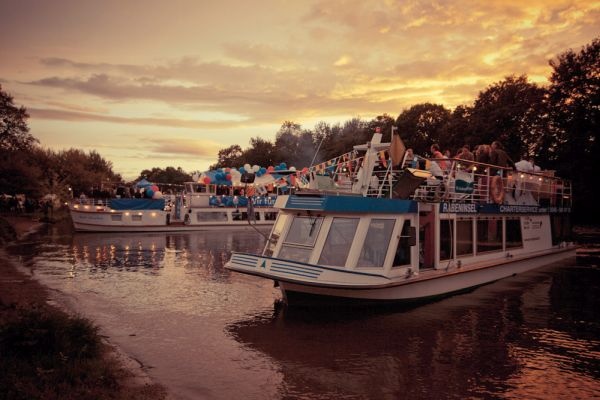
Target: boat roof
column 349, row 204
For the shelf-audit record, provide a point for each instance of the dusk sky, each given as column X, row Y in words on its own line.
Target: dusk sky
column 168, row 83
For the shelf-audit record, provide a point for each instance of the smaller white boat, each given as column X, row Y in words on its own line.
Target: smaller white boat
column 200, row 207
column 394, row 233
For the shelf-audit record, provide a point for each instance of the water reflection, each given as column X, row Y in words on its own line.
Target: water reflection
column 209, row 333
column 506, row 340
column 151, row 253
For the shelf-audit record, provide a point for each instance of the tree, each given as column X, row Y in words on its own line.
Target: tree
column 422, row 125
column 261, row 152
column 14, row 132
column 574, row 99
column 231, row 156
column 169, row 175
column 513, row 112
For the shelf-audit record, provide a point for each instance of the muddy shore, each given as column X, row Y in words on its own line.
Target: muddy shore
column 20, row 293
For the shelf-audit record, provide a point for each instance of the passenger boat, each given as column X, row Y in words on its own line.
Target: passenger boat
column 378, row 226
column 200, row 207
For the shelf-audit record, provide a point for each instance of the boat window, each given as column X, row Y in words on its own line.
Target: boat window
column 561, row 228
column 136, row 217
column 402, row 256
column 304, row 231
column 446, row 239
column 203, row 216
column 489, row 235
column 376, row 243
column 270, row 216
column 464, row 237
column 275, row 234
column 338, row 242
column 513, row 233
column 116, row 217
column 300, row 254
column 300, row 239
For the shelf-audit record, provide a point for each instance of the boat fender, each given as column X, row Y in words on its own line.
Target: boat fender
column 497, row 189
column 186, row 219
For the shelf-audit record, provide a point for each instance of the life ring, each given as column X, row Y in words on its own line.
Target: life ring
column 497, row 189
column 186, row 219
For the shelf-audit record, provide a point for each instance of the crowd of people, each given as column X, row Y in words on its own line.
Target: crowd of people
column 21, row 204
column 493, row 155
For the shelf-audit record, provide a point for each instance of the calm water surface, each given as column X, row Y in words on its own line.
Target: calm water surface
column 207, row 333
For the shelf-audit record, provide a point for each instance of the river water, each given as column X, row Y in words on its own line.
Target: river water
column 207, row 333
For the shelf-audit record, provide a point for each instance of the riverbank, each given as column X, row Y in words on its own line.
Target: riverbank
column 49, row 353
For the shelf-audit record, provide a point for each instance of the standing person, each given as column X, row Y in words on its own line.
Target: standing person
column 465, row 153
column 499, row 157
column 436, row 153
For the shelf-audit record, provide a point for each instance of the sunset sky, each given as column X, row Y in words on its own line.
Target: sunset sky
column 159, row 83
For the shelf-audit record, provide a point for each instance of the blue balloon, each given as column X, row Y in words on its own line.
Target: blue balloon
column 149, row 193
column 283, row 165
column 242, row 170
column 263, row 170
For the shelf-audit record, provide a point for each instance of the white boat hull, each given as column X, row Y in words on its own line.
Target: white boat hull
column 311, row 280
column 94, row 220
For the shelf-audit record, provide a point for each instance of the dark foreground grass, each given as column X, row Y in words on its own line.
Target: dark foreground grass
column 47, row 354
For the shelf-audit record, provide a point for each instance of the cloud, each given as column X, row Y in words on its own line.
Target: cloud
column 64, row 115
column 183, row 147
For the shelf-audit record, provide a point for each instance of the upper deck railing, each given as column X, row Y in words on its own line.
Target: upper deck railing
column 423, row 179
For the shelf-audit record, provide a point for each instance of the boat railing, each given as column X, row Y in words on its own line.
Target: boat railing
column 461, row 181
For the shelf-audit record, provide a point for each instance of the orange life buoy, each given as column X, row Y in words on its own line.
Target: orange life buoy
column 497, row 189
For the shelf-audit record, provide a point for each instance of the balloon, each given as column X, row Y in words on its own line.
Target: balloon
column 219, row 176
column 206, row 180
column 149, row 193
column 304, row 170
column 263, row 170
column 228, row 177
column 283, row 165
column 292, row 168
column 270, row 169
column 242, row 170
column 247, row 167
column 154, row 188
column 255, row 168
column 157, row 195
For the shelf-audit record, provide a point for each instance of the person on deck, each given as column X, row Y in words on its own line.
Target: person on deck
column 437, row 154
column 499, row 157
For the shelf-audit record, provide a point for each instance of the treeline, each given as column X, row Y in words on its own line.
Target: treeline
column 29, row 169
column 556, row 124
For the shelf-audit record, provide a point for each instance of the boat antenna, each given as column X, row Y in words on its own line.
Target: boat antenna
column 317, row 151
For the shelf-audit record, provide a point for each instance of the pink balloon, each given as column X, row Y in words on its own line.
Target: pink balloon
column 154, row 188
column 206, row 180
column 271, row 169
column 304, row 170
column 228, row 177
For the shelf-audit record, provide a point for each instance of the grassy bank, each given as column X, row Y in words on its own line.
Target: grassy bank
column 45, row 353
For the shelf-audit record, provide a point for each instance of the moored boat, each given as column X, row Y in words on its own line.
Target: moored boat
column 400, row 233
column 200, row 207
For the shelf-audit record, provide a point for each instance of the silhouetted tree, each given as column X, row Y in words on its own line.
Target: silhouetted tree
column 422, row 125
column 14, row 132
column 513, row 112
column 574, row 100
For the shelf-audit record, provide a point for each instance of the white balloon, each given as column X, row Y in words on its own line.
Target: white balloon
column 157, row 195
column 247, row 167
column 292, row 168
column 255, row 168
column 195, row 177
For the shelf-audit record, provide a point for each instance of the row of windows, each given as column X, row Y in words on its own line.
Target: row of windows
column 301, row 238
column 479, row 236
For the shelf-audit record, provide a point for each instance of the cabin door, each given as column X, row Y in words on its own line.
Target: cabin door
column 427, row 239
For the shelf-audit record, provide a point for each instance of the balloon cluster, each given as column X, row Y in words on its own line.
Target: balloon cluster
column 153, row 192
column 224, row 176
